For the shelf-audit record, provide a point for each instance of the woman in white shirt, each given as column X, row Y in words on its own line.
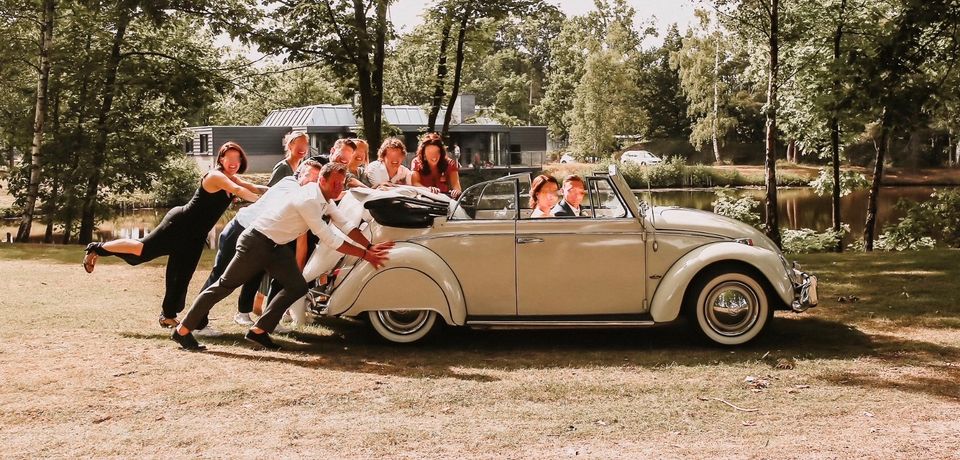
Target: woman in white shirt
column 544, row 195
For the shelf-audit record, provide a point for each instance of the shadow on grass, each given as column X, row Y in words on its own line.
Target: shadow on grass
column 465, row 354
column 354, row 347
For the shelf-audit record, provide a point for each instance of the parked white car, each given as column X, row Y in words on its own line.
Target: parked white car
column 639, row 157
column 567, row 158
column 482, row 262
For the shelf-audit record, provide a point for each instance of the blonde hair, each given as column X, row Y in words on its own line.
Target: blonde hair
column 292, row 136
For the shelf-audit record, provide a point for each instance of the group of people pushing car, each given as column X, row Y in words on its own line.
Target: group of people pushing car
column 271, row 235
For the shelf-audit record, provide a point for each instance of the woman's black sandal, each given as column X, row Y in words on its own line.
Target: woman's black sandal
column 90, row 257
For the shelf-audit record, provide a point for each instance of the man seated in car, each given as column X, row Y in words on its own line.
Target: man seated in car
column 573, row 192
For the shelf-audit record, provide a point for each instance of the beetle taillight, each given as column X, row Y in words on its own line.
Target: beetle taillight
column 746, row 241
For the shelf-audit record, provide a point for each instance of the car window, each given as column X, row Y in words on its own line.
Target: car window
column 488, row 201
column 604, row 201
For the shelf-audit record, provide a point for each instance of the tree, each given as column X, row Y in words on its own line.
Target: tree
column 914, row 53
column 662, row 94
column 350, row 34
column 760, row 21
column 277, row 87
column 568, row 54
column 603, row 103
column 464, row 14
column 40, row 113
column 701, row 62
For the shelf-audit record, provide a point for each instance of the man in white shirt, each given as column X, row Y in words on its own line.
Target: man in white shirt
column 262, row 247
column 389, row 169
column 308, row 172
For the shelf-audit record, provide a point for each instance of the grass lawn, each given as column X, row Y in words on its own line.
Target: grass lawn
column 87, row 372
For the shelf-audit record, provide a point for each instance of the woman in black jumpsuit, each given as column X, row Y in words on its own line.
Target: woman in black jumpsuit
column 183, row 231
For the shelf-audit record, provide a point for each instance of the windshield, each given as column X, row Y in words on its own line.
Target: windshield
column 491, row 200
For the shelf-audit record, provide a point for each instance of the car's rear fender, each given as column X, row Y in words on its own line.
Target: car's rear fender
column 668, row 299
column 414, row 278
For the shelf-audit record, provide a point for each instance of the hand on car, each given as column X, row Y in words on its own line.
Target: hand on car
column 454, row 193
column 377, row 254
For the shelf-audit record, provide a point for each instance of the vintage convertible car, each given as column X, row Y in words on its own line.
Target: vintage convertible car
column 481, row 262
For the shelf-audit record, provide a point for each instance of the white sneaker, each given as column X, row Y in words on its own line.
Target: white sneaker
column 281, row 329
column 243, row 319
column 208, row 331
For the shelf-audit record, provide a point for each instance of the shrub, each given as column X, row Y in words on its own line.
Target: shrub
column 743, row 209
column 177, row 182
column 807, row 240
column 923, row 225
column 849, row 181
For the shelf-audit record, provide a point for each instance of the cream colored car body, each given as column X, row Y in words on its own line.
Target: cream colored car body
column 492, row 269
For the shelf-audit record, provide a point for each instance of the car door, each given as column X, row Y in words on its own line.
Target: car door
column 582, row 266
column 478, row 243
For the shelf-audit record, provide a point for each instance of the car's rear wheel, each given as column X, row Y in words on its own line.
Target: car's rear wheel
column 728, row 305
column 403, row 326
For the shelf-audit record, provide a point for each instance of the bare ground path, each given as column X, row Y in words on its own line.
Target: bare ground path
column 87, row 373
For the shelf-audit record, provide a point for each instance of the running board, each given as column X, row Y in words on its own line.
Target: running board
column 526, row 324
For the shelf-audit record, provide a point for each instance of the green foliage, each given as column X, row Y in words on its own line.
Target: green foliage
column 744, row 209
column 849, row 182
column 807, row 240
column 177, row 181
column 706, row 68
column 278, row 88
column 925, row 224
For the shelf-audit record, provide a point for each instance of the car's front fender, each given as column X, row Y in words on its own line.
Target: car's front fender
column 668, row 298
column 414, row 278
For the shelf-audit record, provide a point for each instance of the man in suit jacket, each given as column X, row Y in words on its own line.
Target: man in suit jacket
column 573, row 192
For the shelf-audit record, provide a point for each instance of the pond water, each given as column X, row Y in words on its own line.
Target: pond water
column 798, row 207
column 801, row 208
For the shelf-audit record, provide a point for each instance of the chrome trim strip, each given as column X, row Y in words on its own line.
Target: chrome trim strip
column 550, row 323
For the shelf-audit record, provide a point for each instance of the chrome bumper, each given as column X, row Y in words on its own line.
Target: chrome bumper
column 805, row 291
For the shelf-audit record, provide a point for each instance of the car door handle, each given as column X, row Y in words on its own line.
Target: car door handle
column 527, row 240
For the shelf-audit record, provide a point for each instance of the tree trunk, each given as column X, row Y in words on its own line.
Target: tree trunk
column 950, row 149
column 88, row 217
column 50, row 210
column 835, row 128
column 458, row 70
column 373, row 137
column 79, row 145
column 770, row 160
column 716, row 99
column 36, row 159
column 869, row 228
column 441, row 74
column 956, row 159
column 371, row 111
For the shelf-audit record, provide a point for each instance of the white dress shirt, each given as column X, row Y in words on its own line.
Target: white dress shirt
column 274, row 197
column 304, row 210
column 377, row 174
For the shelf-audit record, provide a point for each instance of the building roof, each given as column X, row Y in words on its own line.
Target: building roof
column 333, row 118
column 312, row 115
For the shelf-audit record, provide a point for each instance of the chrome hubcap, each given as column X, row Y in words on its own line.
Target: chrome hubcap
column 403, row 322
column 731, row 308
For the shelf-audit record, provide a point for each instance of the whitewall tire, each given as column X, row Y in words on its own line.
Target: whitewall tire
column 403, row 326
column 728, row 306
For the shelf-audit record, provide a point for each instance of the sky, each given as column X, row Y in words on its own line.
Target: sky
column 406, row 13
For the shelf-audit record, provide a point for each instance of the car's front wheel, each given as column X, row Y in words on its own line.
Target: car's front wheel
column 728, row 305
column 403, row 326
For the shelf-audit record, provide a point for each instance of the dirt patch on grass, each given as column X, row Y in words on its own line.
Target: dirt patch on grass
column 88, row 373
